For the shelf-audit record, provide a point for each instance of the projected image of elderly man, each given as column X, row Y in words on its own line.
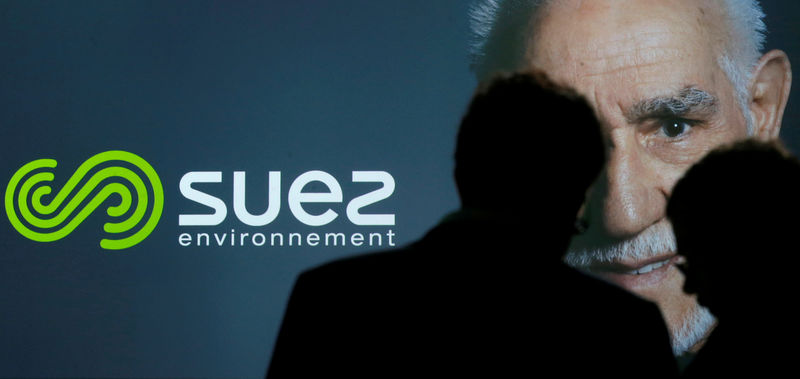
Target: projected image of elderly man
column 669, row 81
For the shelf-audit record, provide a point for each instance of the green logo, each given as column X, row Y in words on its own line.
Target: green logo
column 53, row 221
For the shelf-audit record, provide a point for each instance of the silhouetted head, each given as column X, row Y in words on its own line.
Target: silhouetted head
column 529, row 149
column 736, row 216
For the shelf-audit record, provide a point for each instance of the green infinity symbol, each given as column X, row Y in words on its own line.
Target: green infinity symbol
column 53, row 227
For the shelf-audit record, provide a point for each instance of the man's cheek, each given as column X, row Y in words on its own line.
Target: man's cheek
column 683, row 153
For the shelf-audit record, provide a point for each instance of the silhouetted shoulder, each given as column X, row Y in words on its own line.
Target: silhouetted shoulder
column 612, row 330
column 340, row 312
column 438, row 303
column 328, row 313
column 355, row 270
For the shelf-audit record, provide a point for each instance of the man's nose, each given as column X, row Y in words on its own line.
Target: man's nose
column 632, row 199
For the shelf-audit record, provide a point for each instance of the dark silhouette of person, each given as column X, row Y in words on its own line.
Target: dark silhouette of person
column 737, row 211
column 484, row 293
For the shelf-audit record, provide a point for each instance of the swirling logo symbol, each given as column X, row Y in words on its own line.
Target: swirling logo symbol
column 58, row 218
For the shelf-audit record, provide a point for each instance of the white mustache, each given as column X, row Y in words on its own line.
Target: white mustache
column 653, row 241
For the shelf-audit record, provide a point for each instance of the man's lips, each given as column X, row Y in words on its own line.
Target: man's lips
column 639, row 267
column 641, row 274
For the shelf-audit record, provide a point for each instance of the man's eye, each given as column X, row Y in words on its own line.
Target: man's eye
column 675, row 127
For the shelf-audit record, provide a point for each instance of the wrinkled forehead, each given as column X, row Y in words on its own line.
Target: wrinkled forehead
column 581, row 42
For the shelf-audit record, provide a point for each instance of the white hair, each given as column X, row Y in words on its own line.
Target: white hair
column 499, row 31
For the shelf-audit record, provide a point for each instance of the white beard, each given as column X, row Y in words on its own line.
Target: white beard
column 694, row 328
column 657, row 239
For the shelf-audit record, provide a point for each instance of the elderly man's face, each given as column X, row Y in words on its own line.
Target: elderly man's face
column 649, row 68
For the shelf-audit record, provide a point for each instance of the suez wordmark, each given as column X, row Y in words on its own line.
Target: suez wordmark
column 129, row 190
column 295, row 199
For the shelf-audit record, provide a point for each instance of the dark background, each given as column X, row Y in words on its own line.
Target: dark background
column 286, row 86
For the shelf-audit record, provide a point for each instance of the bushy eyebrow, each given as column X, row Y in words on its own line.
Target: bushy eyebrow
column 689, row 100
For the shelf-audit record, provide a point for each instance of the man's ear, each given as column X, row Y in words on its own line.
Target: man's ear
column 769, row 92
